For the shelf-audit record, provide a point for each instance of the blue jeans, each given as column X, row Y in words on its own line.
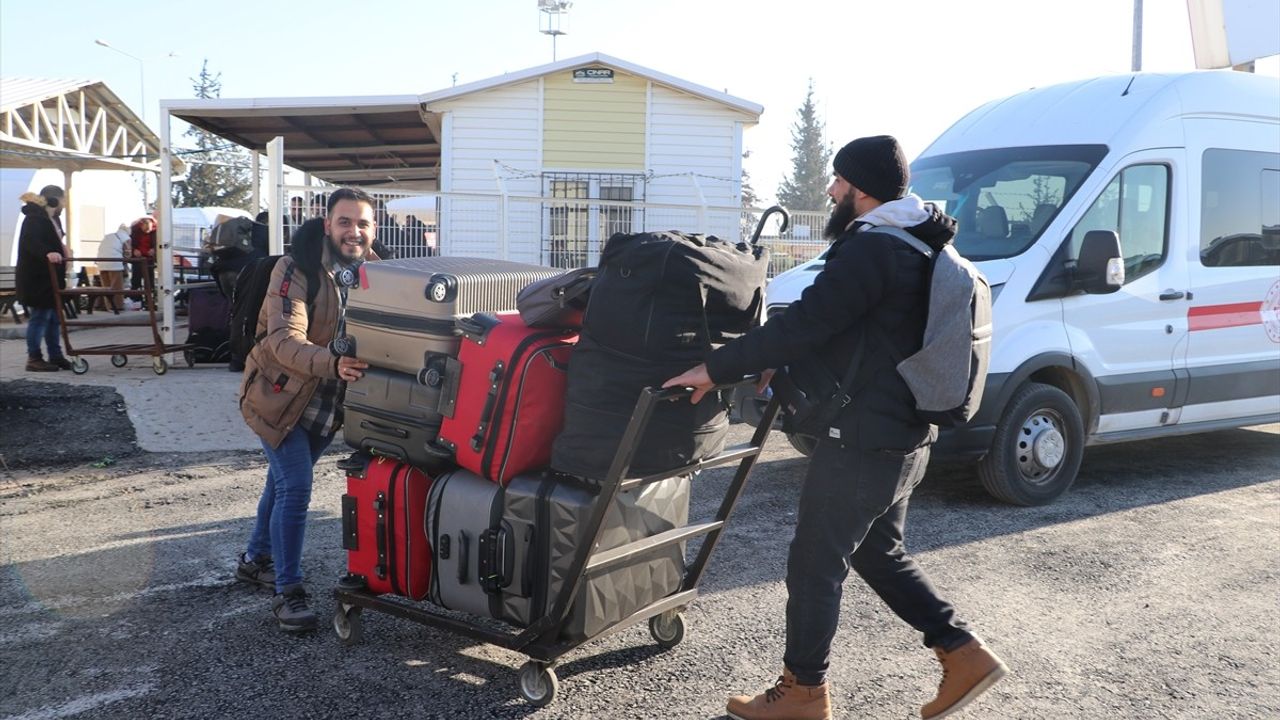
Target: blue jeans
column 282, row 511
column 43, row 325
column 853, row 511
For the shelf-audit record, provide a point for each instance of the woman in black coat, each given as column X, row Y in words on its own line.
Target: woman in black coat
column 40, row 243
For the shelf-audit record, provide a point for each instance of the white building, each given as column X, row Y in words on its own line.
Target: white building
column 518, row 159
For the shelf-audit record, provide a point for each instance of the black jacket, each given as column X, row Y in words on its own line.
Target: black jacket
column 869, row 279
column 36, row 240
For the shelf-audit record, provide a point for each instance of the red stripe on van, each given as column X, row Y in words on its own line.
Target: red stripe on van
column 1216, row 317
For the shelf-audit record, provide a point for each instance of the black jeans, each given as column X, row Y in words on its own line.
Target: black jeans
column 853, row 509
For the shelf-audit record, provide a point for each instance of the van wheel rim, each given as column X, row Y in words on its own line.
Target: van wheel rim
column 1041, row 446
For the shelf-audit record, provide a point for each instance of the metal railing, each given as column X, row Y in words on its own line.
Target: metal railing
column 558, row 232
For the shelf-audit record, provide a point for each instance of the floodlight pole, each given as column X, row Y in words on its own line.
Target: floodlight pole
column 1137, row 35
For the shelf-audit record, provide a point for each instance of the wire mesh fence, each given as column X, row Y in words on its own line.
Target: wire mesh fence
column 566, row 232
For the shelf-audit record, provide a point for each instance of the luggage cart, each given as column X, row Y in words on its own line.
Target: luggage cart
column 119, row 352
column 541, row 641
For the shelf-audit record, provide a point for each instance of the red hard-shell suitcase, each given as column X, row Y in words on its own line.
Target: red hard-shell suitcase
column 503, row 400
column 383, row 526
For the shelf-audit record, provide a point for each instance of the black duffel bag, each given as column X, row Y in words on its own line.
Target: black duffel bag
column 603, row 388
column 673, row 296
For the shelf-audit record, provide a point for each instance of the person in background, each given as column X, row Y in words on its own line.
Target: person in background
column 291, row 394
column 115, row 246
column 871, row 293
column 40, row 243
column 142, row 245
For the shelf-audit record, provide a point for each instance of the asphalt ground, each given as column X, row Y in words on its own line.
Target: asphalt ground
column 1148, row 591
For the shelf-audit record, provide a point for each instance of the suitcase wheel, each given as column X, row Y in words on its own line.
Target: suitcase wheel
column 348, row 624
column 538, row 683
column 667, row 629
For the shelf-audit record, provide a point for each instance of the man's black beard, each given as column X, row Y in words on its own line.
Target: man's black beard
column 841, row 215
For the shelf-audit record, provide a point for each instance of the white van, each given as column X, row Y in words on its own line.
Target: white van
column 1185, row 169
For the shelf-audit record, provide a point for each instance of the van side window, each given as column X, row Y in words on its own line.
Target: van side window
column 1239, row 208
column 1135, row 205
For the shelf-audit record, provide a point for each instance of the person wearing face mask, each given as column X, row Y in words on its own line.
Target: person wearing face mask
column 291, row 394
column 40, row 243
column 873, row 290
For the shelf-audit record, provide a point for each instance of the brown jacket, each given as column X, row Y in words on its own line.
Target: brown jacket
column 286, row 365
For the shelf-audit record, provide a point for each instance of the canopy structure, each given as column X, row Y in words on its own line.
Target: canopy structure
column 71, row 125
column 375, row 140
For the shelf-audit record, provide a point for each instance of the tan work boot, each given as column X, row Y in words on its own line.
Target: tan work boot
column 786, row 700
column 967, row 672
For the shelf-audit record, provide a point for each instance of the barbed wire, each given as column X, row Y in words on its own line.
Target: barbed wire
column 514, row 173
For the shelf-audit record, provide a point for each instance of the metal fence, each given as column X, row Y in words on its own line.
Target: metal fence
column 555, row 231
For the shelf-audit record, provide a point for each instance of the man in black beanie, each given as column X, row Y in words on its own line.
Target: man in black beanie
column 870, row 296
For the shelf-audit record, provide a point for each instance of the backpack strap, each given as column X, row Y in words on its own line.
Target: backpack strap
column 905, row 237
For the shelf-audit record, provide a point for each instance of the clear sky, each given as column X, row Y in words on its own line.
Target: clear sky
column 908, row 68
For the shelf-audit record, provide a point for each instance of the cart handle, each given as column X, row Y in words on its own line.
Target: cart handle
column 678, row 393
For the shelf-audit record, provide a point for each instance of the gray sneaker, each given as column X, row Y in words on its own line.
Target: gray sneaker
column 291, row 611
column 259, row 571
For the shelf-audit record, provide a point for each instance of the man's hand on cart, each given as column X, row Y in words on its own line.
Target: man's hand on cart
column 701, row 383
column 54, row 257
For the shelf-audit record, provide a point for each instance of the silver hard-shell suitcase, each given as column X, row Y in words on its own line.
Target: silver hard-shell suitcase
column 399, row 311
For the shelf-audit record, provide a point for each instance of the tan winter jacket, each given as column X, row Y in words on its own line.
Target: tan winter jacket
column 286, row 365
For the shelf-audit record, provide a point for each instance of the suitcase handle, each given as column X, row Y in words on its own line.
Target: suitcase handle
column 384, row 429
column 494, row 559
column 449, row 390
column 476, row 328
column 464, row 545
column 490, row 406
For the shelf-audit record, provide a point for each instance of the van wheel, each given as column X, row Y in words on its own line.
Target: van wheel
column 1037, row 449
column 804, row 444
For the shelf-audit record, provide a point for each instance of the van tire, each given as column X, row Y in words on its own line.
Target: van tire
column 804, row 444
column 1037, row 449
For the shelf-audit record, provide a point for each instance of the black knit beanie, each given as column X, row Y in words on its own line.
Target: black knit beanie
column 876, row 166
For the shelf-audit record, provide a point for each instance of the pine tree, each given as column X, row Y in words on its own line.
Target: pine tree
column 217, row 174
column 806, row 189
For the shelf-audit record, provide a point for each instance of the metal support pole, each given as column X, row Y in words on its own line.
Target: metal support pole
column 275, row 194
column 702, row 203
column 256, row 185
column 164, row 256
column 503, row 206
column 1137, row 35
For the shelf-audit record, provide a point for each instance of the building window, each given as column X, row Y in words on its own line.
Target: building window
column 575, row 227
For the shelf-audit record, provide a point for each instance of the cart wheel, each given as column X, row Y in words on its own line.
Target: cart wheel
column 348, row 624
column 189, row 357
column 79, row 366
column 160, row 365
column 119, row 360
column 667, row 629
column 538, row 683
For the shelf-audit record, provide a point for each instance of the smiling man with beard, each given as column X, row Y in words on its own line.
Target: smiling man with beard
column 291, row 395
column 873, row 290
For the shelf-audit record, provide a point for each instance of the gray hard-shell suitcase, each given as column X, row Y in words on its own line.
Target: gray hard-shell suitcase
column 518, row 560
column 397, row 415
column 401, row 310
column 458, row 512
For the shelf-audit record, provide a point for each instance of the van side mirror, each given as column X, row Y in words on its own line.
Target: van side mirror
column 1100, row 269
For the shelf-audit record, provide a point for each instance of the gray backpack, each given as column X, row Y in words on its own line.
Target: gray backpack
column 948, row 374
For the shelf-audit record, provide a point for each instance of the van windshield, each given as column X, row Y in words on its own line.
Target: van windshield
column 1003, row 198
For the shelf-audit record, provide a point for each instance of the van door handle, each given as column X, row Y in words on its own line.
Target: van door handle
column 1172, row 295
